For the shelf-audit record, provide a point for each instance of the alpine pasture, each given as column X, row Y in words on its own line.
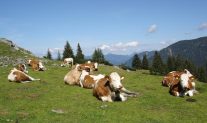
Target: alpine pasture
column 51, row 101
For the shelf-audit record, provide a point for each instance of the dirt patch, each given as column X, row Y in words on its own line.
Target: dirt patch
column 149, row 88
column 191, row 100
column 22, row 114
column 33, row 96
column 3, row 112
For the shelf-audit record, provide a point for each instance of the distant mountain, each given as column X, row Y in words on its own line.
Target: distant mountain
column 117, row 59
column 149, row 54
column 194, row 50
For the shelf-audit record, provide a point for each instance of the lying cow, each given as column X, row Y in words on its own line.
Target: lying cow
column 186, row 85
column 92, row 65
column 19, row 76
column 36, row 65
column 88, row 81
column 73, row 76
column 67, row 62
column 171, row 78
column 110, row 89
column 177, row 89
column 22, row 67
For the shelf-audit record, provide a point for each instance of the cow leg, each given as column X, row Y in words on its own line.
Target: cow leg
column 106, row 98
column 123, row 98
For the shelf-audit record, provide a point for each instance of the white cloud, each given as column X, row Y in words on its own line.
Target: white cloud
column 119, row 46
column 152, row 28
column 203, row 26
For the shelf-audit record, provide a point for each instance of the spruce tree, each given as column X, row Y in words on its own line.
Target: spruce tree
column 171, row 64
column 136, row 62
column 79, row 56
column 202, row 74
column 145, row 64
column 179, row 63
column 68, row 52
column 157, row 65
column 58, row 56
column 98, row 56
column 49, row 55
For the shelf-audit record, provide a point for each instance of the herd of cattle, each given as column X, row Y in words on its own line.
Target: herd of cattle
column 105, row 87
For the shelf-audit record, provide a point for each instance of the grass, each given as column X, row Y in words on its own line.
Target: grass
column 33, row 102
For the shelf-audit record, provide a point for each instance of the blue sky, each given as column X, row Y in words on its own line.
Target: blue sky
column 115, row 26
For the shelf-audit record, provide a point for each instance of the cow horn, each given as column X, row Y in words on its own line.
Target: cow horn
column 128, row 92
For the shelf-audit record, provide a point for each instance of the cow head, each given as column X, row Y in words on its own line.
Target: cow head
column 23, row 68
column 115, row 81
column 41, row 67
column 96, row 66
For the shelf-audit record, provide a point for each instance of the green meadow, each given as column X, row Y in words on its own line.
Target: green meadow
column 51, row 101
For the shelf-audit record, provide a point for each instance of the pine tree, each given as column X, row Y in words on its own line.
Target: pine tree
column 136, row 62
column 171, row 63
column 58, row 56
column 98, row 56
column 49, row 55
column 145, row 64
column 202, row 74
column 157, row 65
column 68, row 52
column 79, row 56
column 179, row 63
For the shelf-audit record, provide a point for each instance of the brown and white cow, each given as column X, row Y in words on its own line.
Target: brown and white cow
column 92, row 65
column 185, row 86
column 67, row 62
column 88, row 81
column 73, row 76
column 109, row 89
column 22, row 67
column 36, row 65
column 19, row 76
column 177, row 89
column 171, row 78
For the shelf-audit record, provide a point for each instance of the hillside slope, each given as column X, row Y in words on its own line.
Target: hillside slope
column 195, row 50
column 11, row 54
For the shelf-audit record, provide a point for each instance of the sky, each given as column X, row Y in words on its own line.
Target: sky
column 115, row 26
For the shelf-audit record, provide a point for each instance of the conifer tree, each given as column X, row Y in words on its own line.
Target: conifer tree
column 58, row 56
column 49, row 55
column 136, row 62
column 145, row 64
column 171, row 63
column 98, row 56
column 68, row 52
column 79, row 56
column 202, row 74
column 157, row 65
column 179, row 63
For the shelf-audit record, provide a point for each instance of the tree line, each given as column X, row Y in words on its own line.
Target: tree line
column 173, row 63
column 97, row 55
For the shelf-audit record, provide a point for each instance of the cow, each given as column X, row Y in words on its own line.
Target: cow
column 185, row 86
column 109, row 89
column 171, row 78
column 36, row 65
column 88, row 81
column 73, row 76
column 67, row 62
column 177, row 89
column 19, row 76
column 92, row 65
column 22, row 67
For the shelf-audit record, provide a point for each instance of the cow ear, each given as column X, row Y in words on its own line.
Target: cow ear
column 107, row 83
column 122, row 78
